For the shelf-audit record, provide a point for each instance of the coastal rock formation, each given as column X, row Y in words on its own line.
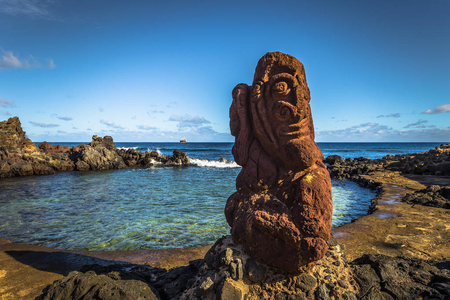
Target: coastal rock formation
column 89, row 285
column 281, row 212
column 384, row 277
column 123, row 281
column 431, row 196
column 349, row 168
column 99, row 154
column 133, row 157
column 433, row 162
column 13, row 138
column 20, row 157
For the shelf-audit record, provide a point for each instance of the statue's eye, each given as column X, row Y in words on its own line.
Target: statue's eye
column 281, row 88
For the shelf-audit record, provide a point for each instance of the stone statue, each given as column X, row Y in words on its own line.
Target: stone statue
column 281, row 211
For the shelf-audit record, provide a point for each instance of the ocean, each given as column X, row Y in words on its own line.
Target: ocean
column 156, row 207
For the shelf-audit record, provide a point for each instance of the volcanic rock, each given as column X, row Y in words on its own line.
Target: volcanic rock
column 281, row 212
column 20, row 157
column 431, row 196
column 99, row 154
column 89, row 286
column 384, row 277
column 13, row 138
column 331, row 277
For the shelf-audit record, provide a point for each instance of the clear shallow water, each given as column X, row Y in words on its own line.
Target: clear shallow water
column 153, row 208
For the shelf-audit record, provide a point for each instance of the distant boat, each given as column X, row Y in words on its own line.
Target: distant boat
column 183, row 140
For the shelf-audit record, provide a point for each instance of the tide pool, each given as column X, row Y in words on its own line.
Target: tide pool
column 130, row 209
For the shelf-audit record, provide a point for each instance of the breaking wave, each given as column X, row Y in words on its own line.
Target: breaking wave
column 213, row 163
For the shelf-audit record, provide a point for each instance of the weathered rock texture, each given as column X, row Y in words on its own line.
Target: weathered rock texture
column 100, row 154
column 433, row 162
column 431, row 196
column 384, row 277
column 229, row 273
column 281, row 212
column 89, row 285
column 20, row 157
column 430, row 164
column 12, row 136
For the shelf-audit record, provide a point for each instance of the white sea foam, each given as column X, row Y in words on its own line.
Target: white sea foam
column 126, row 148
column 154, row 162
column 213, row 163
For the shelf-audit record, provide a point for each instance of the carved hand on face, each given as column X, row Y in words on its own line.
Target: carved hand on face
column 283, row 99
column 281, row 118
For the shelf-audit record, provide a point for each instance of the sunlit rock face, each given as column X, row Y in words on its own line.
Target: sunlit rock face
column 281, row 212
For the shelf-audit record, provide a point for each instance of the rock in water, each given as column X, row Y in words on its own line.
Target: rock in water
column 281, row 212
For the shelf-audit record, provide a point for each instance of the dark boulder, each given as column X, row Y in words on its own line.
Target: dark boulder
column 89, row 285
column 434, row 195
column 384, row 277
column 100, row 154
column 334, row 159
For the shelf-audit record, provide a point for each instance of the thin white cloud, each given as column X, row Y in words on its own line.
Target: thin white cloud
column 187, row 121
column 396, row 115
column 9, row 60
column 6, row 113
column 146, row 127
column 155, row 112
column 172, row 103
column 374, row 132
column 31, row 8
column 65, row 118
column 6, row 102
column 438, row 109
column 417, row 124
column 111, row 124
column 62, row 117
column 51, row 64
column 43, row 125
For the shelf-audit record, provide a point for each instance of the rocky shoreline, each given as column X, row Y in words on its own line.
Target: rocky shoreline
column 20, row 157
column 435, row 162
column 398, row 251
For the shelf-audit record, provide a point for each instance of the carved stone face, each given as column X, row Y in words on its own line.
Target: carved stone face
column 280, row 110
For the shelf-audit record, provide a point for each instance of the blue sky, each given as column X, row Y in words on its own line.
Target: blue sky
column 378, row 71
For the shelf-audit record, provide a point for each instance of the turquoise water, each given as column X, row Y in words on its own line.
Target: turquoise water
column 153, row 208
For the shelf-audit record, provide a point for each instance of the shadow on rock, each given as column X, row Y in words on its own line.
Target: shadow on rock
column 93, row 278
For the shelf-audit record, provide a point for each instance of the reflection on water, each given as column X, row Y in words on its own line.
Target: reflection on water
column 154, row 208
